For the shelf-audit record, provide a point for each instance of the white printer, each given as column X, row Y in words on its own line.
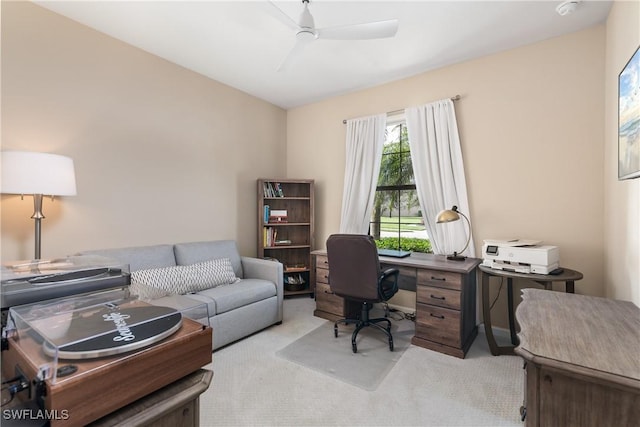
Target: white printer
column 520, row 256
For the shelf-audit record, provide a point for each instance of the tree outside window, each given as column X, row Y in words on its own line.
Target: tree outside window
column 396, row 221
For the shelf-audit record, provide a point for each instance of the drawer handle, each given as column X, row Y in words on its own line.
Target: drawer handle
column 442, row 279
column 437, row 297
column 329, row 292
column 435, row 315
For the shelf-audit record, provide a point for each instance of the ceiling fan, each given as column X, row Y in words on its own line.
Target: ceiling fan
column 306, row 31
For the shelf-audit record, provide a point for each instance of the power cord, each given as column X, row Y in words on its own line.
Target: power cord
column 497, row 296
column 21, row 384
column 396, row 314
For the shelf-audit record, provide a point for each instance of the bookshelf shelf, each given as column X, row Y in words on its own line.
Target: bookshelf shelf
column 266, row 248
column 286, row 229
column 286, row 198
column 285, row 224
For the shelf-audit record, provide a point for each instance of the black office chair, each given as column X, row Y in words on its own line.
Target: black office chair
column 354, row 274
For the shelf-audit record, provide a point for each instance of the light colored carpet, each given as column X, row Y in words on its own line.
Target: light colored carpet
column 252, row 386
column 320, row 350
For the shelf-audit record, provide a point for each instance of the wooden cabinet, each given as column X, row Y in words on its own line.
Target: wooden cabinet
column 445, row 298
column 446, row 307
column 581, row 360
column 286, row 229
column 177, row 404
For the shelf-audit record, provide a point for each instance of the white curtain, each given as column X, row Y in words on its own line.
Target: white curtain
column 439, row 173
column 365, row 139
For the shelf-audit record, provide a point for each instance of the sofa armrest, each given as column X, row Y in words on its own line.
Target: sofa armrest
column 256, row 268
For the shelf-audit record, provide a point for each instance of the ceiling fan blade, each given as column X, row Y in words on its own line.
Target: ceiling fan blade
column 279, row 14
column 370, row 30
column 301, row 43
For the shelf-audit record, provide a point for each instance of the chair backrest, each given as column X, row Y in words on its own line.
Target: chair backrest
column 354, row 267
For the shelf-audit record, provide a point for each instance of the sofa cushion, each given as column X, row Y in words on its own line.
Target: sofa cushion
column 141, row 257
column 244, row 292
column 204, row 300
column 145, row 292
column 193, row 308
column 191, row 253
column 183, row 279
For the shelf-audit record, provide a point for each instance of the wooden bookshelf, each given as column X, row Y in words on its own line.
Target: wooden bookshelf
column 286, row 229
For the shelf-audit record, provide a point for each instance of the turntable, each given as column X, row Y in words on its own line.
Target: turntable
column 25, row 282
column 89, row 355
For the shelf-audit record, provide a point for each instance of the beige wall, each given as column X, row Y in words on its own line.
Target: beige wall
column 621, row 198
column 162, row 154
column 531, row 125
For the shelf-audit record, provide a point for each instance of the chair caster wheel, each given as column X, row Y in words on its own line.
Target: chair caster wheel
column 390, row 345
column 354, row 348
column 335, row 331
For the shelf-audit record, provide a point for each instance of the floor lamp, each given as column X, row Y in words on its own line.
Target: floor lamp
column 37, row 174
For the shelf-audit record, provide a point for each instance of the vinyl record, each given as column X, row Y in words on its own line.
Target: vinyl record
column 112, row 330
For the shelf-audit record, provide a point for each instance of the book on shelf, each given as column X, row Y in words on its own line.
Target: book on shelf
column 272, row 189
column 266, row 214
column 279, row 191
column 278, row 215
column 270, row 238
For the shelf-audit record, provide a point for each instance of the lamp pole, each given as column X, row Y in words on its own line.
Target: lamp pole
column 456, row 256
column 37, row 217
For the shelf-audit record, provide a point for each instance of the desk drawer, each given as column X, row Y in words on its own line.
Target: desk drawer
column 440, row 297
column 440, row 279
column 322, row 261
column 327, row 301
column 322, row 275
column 438, row 324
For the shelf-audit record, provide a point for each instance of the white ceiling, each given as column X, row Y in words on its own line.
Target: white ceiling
column 241, row 44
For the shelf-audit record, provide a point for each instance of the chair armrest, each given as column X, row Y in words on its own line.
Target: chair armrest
column 256, row 268
column 388, row 283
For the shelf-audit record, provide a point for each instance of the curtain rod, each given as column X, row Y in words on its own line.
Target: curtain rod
column 390, row 113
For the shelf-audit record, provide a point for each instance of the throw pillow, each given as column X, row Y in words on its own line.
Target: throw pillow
column 209, row 274
column 165, row 278
column 183, row 279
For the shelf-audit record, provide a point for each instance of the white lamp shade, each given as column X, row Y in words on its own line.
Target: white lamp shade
column 25, row 172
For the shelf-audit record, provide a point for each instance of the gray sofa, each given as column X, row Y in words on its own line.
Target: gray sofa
column 234, row 310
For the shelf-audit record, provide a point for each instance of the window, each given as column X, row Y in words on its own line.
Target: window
column 396, row 221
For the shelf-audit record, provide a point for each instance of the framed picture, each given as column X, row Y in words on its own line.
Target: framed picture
column 629, row 119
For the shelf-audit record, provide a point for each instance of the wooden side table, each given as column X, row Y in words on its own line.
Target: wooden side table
column 568, row 276
column 581, row 358
column 177, row 404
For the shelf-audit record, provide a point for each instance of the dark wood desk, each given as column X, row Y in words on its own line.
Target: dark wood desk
column 445, row 298
column 581, row 355
column 567, row 276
